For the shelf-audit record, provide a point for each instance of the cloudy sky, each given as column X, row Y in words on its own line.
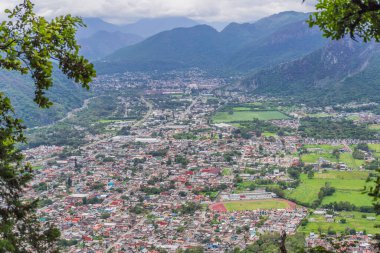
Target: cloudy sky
column 126, row 11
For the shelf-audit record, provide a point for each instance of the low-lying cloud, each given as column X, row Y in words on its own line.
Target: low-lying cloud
column 125, row 11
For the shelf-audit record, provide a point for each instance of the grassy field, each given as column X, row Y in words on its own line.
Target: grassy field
column 353, row 220
column 314, row 157
column 320, row 115
column 268, row 134
column 350, row 161
column 242, row 109
column 349, row 186
column 38, row 167
column 227, row 172
column 256, row 204
column 375, row 127
column 375, row 148
column 356, row 197
column 324, row 147
column 321, row 151
column 325, row 152
column 353, row 117
column 225, row 117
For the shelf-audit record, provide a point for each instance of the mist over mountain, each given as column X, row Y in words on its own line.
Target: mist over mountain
column 148, row 27
column 239, row 47
column 99, row 38
column 143, row 28
column 103, row 43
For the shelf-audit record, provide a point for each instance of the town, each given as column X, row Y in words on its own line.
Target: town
column 200, row 166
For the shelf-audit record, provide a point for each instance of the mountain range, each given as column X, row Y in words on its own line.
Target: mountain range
column 238, row 47
column 278, row 55
column 143, row 28
column 99, row 38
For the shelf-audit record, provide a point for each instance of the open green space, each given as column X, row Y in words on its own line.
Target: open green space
column 375, row 148
column 38, row 167
column 324, row 147
column 242, row 108
column 375, row 127
column 314, row 157
column 353, row 117
column 354, row 220
column 356, row 197
column 325, row 152
column 350, row 161
column 255, row 103
column 348, row 184
column 227, row 172
column 235, row 116
column 256, row 204
column 269, row 134
column 320, row 115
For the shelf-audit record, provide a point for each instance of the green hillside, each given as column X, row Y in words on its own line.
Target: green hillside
column 342, row 71
column 65, row 94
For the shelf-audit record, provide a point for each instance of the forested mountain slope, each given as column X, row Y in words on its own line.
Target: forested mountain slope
column 343, row 70
column 238, row 48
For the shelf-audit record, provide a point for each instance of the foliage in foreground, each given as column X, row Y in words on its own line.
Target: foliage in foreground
column 28, row 45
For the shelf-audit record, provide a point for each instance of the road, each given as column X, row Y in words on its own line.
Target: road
column 147, row 115
column 69, row 115
column 194, row 101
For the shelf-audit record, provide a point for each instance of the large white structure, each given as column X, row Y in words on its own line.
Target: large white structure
column 255, row 195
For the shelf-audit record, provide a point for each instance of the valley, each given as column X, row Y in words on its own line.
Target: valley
column 175, row 160
column 194, row 135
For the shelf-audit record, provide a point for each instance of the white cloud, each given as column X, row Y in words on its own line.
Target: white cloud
column 131, row 10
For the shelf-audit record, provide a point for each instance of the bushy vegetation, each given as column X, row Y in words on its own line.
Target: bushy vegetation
column 321, row 128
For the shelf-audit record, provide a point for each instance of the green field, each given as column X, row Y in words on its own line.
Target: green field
column 353, row 117
column 324, row 147
column 242, row 109
column 353, row 220
column 325, row 152
column 375, row 127
column 375, row 148
column 350, row 161
column 314, row 157
column 321, row 151
column 320, row 115
column 349, row 186
column 268, row 134
column 254, row 205
column 227, row 172
column 225, row 117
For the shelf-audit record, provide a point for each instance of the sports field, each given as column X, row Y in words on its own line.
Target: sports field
column 243, row 115
column 349, row 186
column 249, row 205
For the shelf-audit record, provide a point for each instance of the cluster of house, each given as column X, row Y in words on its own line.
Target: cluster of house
column 152, row 187
column 358, row 243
